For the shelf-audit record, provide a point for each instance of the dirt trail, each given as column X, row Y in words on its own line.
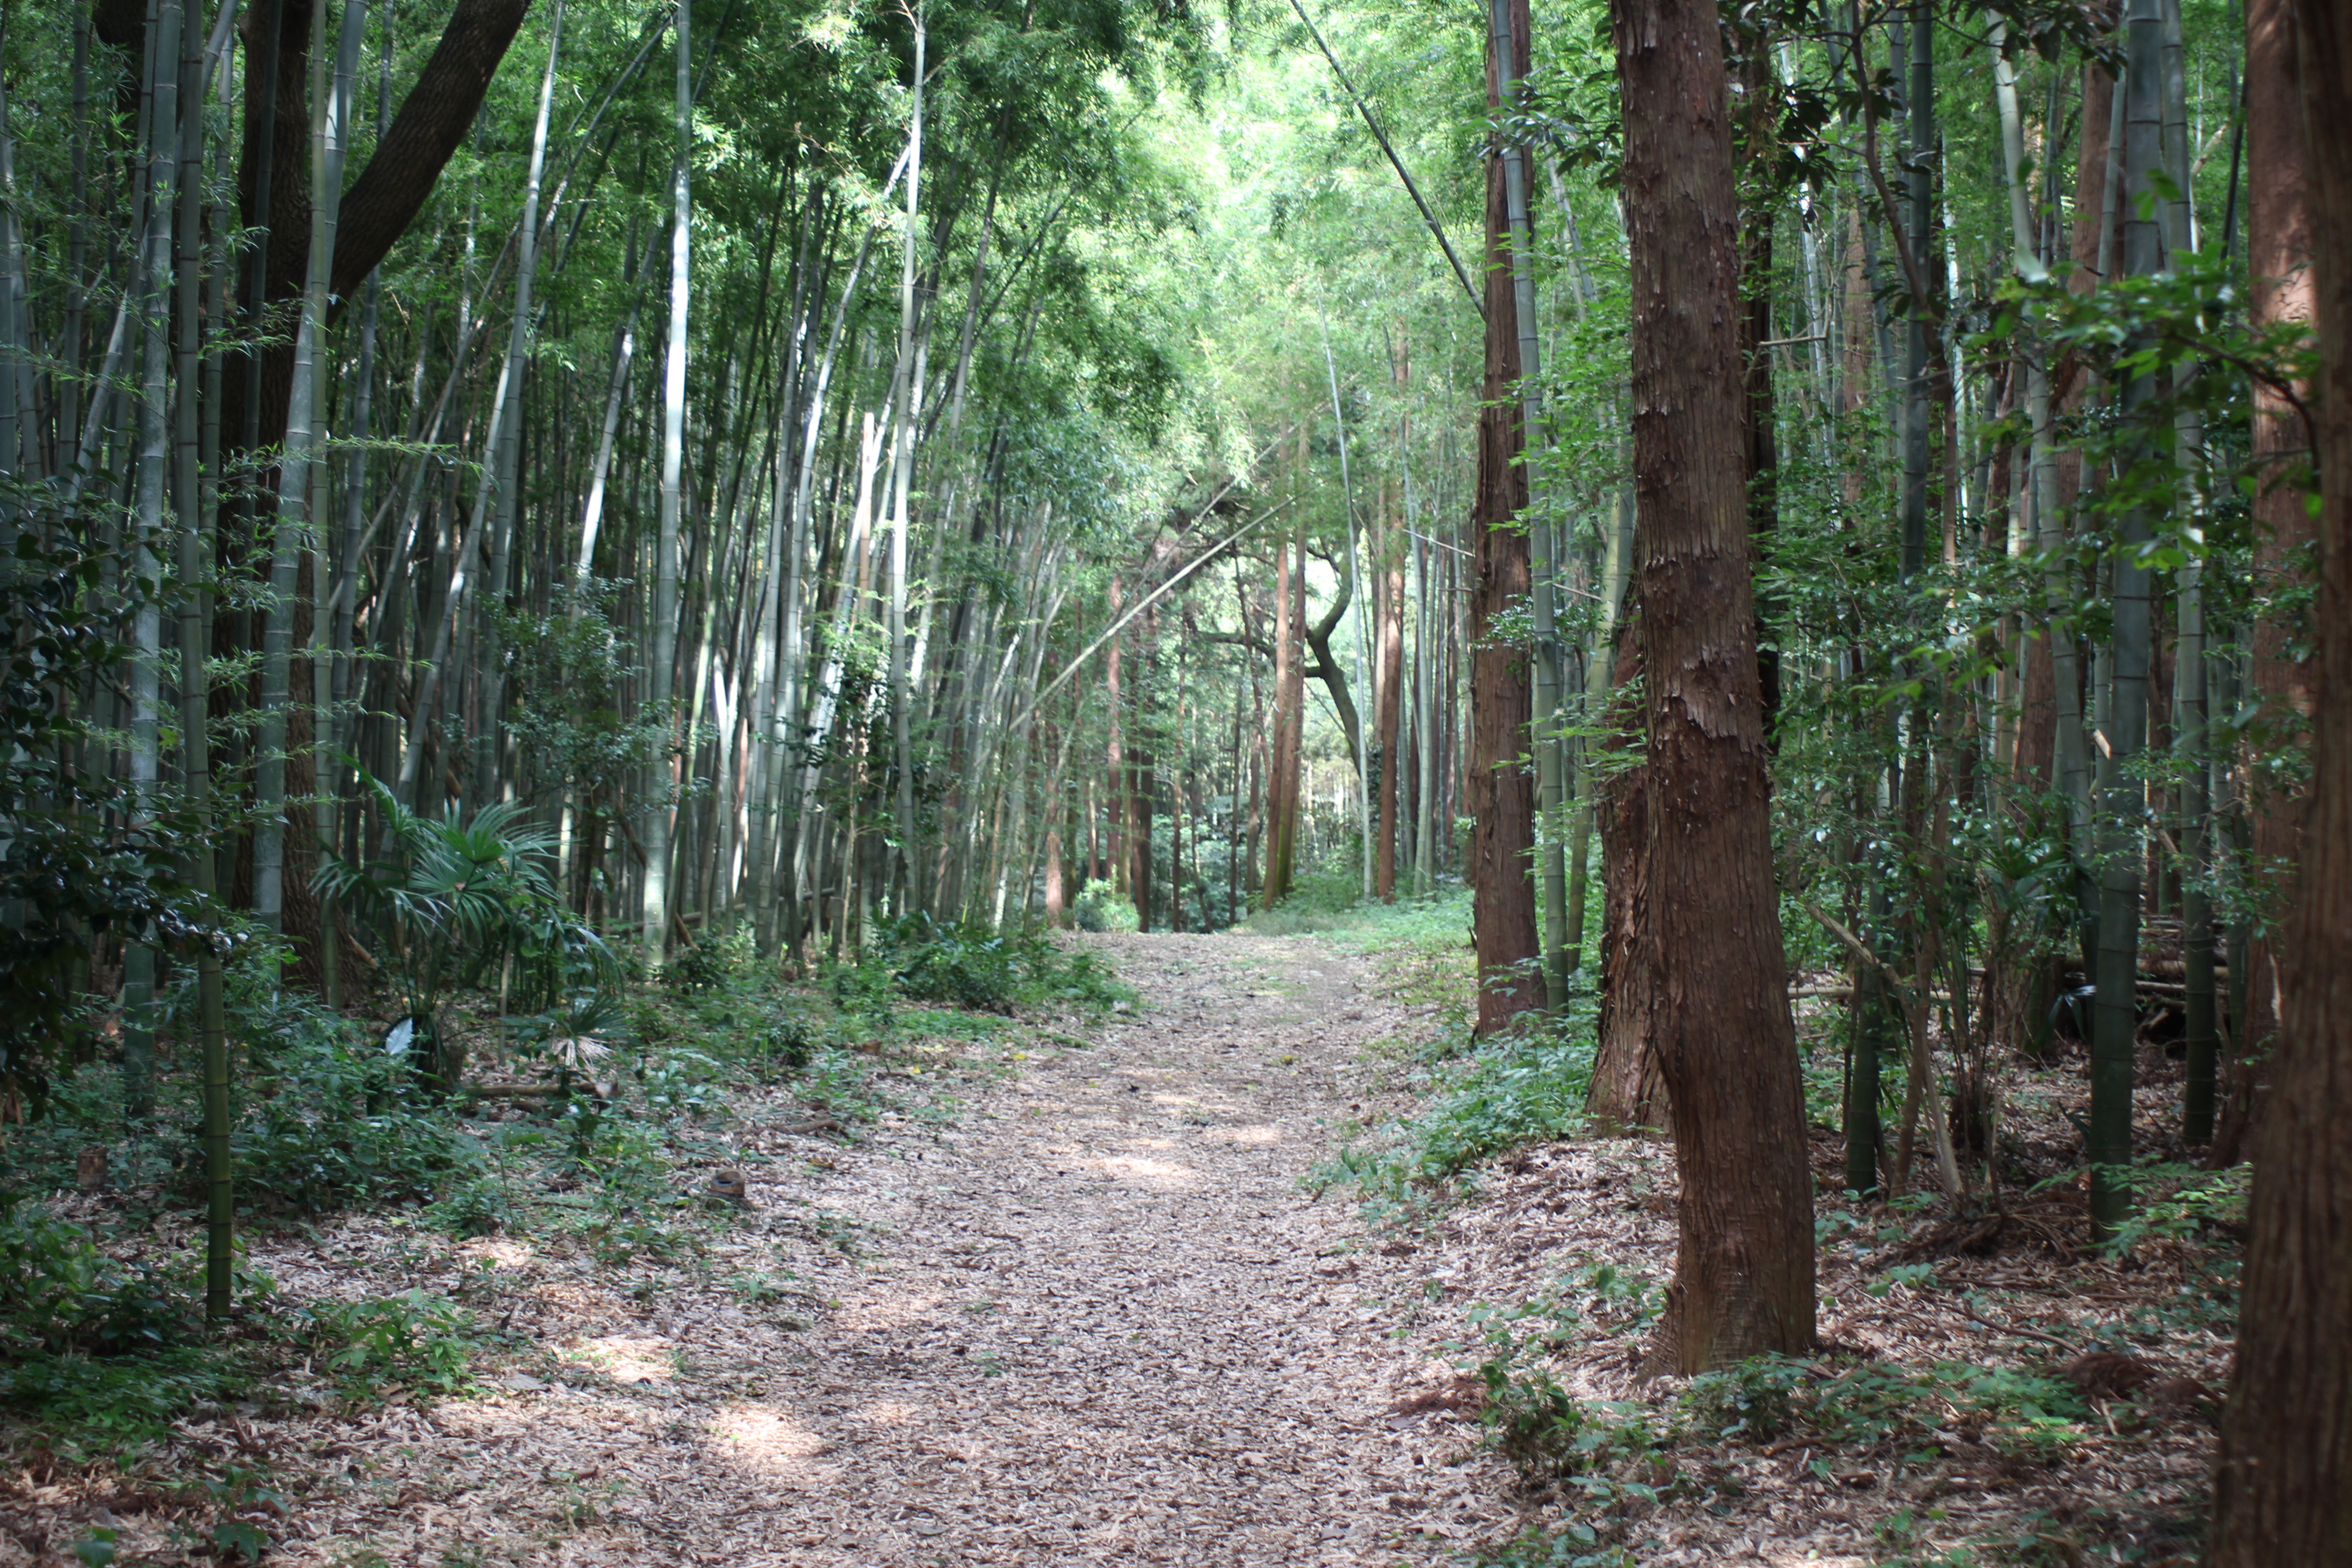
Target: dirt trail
column 1091, row 1319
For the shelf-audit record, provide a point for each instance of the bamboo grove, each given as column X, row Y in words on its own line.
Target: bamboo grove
column 825, row 464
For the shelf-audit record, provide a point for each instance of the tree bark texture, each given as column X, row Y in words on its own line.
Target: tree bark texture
column 2284, row 1493
column 1627, row 1091
column 2278, row 267
column 1502, row 787
column 1720, row 1021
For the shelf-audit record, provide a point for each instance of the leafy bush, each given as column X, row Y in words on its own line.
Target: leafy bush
column 2176, row 1202
column 791, row 1040
column 483, row 1206
column 452, row 901
column 329, row 1133
column 1870, row 1404
column 991, row 972
column 93, row 1342
column 80, row 854
column 1750, row 1402
column 117, row 1399
column 1547, row 1433
column 1100, row 908
column 59, row 1294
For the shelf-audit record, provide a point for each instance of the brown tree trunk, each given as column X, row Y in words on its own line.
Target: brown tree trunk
column 1627, row 1091
column 1502, row 793
column 2279, row 255
column 1142, row 774
column 2283, row 1490
column 2037, row 719
column 1289, row 691
column 2083, row 250
column 1720, row 1022
column 377, row 209
column 1760, row 152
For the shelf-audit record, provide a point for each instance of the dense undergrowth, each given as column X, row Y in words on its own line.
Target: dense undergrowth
column 1610, row 1462
column 588, row 1129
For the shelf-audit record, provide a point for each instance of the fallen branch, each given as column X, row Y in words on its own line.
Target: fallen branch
column 2053, row 1340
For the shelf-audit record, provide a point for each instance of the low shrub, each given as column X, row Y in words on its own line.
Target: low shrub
column 412, row 1340
column 95, row 1345
column 59, row 1294
column 969, row 965
column 113, row 1401
column 1100, row 908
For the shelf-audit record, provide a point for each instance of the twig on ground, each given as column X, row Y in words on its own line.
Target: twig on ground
column 1967, row 1306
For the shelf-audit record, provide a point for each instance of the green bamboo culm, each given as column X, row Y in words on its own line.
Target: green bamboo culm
column 220, row 1188
column 2123, row 806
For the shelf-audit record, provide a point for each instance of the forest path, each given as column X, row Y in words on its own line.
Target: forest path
column 1092, row 1318
column 1107, row 1325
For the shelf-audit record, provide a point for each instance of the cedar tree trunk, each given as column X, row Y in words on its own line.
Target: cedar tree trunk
column 1502, row 790
column 1719, row 1019
column 2284, row 1493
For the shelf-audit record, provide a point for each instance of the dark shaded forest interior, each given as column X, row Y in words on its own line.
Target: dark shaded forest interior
column 1554, row 783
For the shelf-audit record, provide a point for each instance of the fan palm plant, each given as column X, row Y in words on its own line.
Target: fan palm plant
column 449, row 898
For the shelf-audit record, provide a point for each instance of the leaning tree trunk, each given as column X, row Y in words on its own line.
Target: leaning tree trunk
column 1720, row 1021
column 2283, row 1494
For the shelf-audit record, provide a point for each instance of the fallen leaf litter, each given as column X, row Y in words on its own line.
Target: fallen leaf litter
column 1094, row 1317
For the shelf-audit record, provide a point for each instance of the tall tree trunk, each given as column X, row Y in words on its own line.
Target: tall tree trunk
column 1760, row 150
column 2284, row 1491
column 1280, row 770
column 161, row 157
column 1502, row 793
column 911, row 340
column 2107, row 1144
column 2280, row 256
column 662, row 655
column 506, row 429
column 1391, row 716
column 1725, row 1039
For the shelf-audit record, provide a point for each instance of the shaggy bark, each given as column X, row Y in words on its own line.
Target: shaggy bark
column 1721, row 1026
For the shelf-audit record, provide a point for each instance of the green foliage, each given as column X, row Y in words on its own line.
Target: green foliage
column 1100, row 908
column 81, row 851
column 1550, row 1434
column 2178, row 1202
column 116, row 1401
column 970, row 966
column 574, row 734
column 484, row 1205
column 323, row 1126
column 450, row 901
column 1874, row 1405
column 412, row 1341
column 60, row 1294
column 1576, row 1544
column 1509, row 1090
column 94, row 1345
